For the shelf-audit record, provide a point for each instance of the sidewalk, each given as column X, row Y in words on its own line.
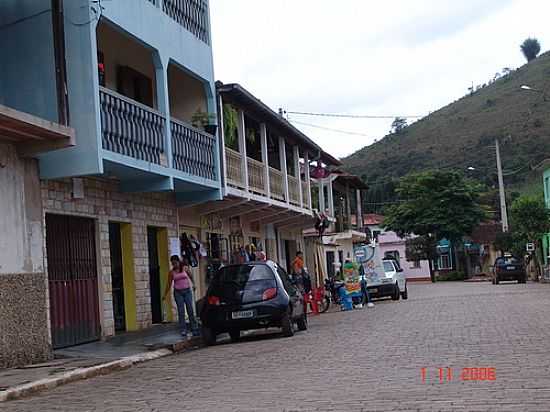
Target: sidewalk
column 92, row 359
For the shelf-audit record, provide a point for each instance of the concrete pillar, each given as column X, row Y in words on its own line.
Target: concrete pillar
column 265, row 159
column 296, row 153
column 330, row 197
column 163, row 102
column 358, row 209
column 322, row 205
column 221, row 133
column 282, row 157
column 348, row 206
column 241, row 131
column 308, row 179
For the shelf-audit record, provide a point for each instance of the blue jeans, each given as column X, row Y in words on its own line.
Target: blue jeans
column 184, row 299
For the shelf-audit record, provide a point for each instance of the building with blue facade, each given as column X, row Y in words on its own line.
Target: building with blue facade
column 134, row 80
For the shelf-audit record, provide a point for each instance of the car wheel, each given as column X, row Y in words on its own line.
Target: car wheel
column 405, row 295
column 208, row 336
column 522, row 280
column 396, row 293
column 287, row 325
column 302, row 322
column 496, row 280
column 493, row 281
column 235, row 335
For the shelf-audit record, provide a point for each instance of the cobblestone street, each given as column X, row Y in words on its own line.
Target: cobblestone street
column 365, row 360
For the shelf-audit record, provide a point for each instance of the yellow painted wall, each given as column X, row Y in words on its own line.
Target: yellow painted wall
column 128, row 277
column 164, row 263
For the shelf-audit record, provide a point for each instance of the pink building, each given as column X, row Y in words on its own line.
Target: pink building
column 392, row 245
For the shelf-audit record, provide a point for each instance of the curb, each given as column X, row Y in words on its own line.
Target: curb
column 84, row 373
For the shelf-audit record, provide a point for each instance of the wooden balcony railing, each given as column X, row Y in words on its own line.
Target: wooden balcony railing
column 293, row 190
column 193, row 151
column 256, row 173
column 234, row 173
column 191, row 14
column 131, row 128
column 276, row 184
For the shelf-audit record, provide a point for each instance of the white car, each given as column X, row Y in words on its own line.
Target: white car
column 387, row 280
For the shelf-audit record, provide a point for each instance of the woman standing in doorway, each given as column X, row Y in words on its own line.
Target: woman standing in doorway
column 182, row 279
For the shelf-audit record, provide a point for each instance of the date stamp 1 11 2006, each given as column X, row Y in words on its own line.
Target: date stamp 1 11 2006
column 447, row 374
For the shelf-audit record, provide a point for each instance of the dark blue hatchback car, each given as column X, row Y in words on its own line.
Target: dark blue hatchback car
column 253, row 295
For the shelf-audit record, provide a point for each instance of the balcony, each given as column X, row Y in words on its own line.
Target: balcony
column 256, row 180
column 191, row 14
column 132, row 129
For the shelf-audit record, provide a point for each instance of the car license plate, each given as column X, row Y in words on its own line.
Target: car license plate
column 242, row 314
column 510, row 268
column 373, row 290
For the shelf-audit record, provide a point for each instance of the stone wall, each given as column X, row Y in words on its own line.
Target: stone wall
column 24, row 336
column 104, row 202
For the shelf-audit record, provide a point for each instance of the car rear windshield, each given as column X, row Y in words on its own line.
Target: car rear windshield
column 388, row 266
column 503, row 261
column 243, row 274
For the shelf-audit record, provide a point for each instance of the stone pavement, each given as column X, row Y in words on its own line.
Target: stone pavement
column 365, row 360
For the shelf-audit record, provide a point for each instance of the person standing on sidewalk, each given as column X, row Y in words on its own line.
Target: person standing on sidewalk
column 182, row 279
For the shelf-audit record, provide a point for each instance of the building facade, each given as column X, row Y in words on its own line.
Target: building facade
column 134, row 79
column 25, row 336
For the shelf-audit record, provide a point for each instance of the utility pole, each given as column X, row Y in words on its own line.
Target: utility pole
column 504, row 215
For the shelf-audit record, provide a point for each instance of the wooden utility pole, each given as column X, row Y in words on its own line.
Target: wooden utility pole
column 503, row 213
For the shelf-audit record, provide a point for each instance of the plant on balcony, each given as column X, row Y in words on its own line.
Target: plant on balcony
column 230, row 122
column 202, row 119
column 251, row 135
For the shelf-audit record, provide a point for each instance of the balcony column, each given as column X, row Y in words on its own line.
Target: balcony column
column 322, row 206
column 330, row 197
column 241, row 131
column 358, row 209
column 221, row 142
column 265, row 159
column 348, row 207
column 296, row 153
column 163, row 102
column 308, row 179
column 282, row 157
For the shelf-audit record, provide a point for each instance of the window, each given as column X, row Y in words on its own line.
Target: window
column 388, row 266
column 392, row 254
column 415, row 264
column 445, row 261
column 375, row 234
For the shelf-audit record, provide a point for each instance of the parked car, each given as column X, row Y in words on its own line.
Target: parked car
column 250, row 296
column 391, row 282
column 509, row 268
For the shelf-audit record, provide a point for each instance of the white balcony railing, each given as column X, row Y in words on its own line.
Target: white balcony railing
column 234, row 173
column 276, row 184
column 293, row 190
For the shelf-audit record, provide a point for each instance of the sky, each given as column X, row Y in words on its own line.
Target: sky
column 368, row 57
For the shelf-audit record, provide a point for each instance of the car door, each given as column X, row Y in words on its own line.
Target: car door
column 296, row 299
column 401, row 279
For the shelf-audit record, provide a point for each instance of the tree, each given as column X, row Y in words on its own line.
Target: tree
column 530, row 48
column 435, row 204
column 530, row 221
column 398, row 125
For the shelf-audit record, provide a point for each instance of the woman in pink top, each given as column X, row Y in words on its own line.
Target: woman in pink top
column 182, row 279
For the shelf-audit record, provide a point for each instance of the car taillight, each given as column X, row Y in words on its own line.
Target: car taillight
column 269, row 293
column 214, row 300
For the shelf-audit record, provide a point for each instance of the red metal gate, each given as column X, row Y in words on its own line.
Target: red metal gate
column 72, row 273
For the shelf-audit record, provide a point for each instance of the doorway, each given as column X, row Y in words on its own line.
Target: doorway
column 72, row 280
column 154, row 275
column 117, row 276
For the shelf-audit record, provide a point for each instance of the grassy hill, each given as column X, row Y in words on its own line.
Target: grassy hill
column 462, row 134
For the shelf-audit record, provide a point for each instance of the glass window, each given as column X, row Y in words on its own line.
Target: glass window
column 388, row 266
column 445, row 261
column 286, row 281
column 242, row 274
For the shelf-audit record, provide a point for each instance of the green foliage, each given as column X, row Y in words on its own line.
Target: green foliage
column 398, row 125
column 510, row 242
column 529, row 217
column 530, row 48
column 420, row 248
column 441, row 204
column 202, row 119
column 451, row 276
column 230, row 124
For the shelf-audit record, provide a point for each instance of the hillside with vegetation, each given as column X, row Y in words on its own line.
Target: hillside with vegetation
column 461, row 135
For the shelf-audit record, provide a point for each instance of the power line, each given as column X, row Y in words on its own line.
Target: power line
column 22, row 19
column 352, row 116
column 328, row 128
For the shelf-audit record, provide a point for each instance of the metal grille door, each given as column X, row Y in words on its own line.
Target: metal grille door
column 72, row 273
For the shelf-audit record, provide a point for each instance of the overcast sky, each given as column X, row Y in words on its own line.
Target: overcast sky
column 367, row 57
